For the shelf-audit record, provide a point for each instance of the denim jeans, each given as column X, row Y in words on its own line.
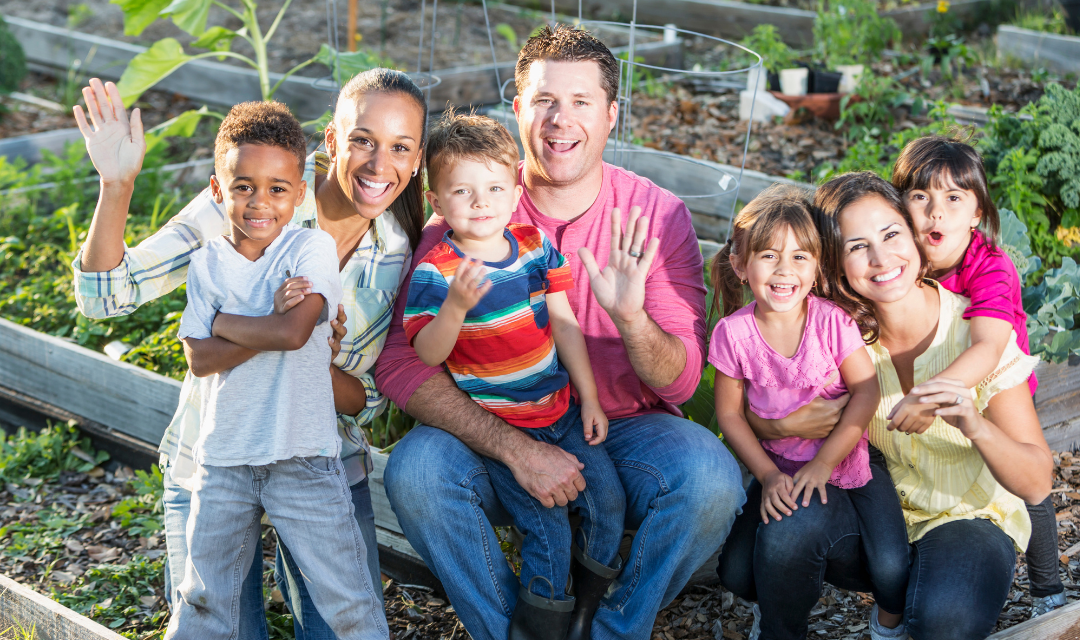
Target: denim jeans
column 307, row 623
column 782, row 564
column 310, row 503
column 1042, row 551
column 602, row 505
column 960, row 571
column 682, row 490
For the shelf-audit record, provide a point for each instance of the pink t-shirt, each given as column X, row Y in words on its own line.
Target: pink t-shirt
column 776, row 385
column 674, row 297
column 988, row 277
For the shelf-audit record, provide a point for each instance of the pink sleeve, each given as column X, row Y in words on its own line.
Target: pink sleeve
column 845, row 337
column 722, row 351
column 992, row 289
column 676, row 296
column 399, row 371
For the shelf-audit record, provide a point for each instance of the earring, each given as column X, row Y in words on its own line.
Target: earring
column 744, row 282
column 415, row 171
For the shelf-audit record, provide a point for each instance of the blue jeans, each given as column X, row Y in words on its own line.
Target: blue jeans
column 602, row 505
column 682, row 490
column 310, row 503
column 958, row 583
column 782, row 564
column 307, row 623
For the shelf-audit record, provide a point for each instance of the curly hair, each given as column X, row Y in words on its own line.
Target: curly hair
column 265, row 123
column 568, row 44
column 461, row 136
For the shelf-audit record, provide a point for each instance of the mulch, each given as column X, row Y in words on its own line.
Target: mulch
column 701, row 612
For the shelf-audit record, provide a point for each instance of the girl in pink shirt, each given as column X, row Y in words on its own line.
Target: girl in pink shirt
column 943, row 184
column 780, row 352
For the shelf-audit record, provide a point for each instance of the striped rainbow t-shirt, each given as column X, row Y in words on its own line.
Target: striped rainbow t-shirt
column 505, row 355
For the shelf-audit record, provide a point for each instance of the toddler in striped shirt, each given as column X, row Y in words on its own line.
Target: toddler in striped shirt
column 489, row 301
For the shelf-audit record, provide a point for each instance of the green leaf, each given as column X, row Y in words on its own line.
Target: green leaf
column 182, row 126
column 346, row 64
column 189, row 15
column 139, row 14
column 216, row 39
column 149, row 67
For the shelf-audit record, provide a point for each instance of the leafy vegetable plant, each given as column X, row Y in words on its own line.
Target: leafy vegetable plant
column 851, row 32
column 765, row 41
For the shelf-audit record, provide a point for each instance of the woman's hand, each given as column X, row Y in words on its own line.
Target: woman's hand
column 115, row 144
column 776, row 497
column 620, row 287
column 912, row 415
column 339, row 329
column 291, row 293
column 813, row 475
column 953, row 404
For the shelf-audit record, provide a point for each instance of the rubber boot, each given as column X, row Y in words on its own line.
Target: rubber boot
column 539, row 618
column 591, row 581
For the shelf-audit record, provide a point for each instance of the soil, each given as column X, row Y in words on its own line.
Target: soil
column 702, row 612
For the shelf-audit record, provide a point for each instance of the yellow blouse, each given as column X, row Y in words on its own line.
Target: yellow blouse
column 939, row 475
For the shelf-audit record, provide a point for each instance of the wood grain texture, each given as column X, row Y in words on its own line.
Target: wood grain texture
column 1061, row 624
column 1054, row 52
column 21, row 606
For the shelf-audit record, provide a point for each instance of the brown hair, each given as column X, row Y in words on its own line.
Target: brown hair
column 568, row 44
column 756, row 227
column 265, row 123
column 408, row 207
column 829, row 201
column 460, row 136
column 932, row 161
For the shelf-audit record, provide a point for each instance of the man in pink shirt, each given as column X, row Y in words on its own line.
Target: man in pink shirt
column 643, row 317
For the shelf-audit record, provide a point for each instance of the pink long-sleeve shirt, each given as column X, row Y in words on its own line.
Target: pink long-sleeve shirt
column 674, row 297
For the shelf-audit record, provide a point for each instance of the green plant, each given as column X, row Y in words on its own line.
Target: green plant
column 1040, row 20
column 141, row 514
column 13, row 69
column 765, row 41
column 852, row 32
column 870, row 109
column 77, row 14
column 508, row 32
column 167, row 55
column 116, row 595
column 642, row 78
column 950, row 53
column 45, row 454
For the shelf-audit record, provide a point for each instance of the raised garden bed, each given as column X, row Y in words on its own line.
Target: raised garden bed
column 1051, row 51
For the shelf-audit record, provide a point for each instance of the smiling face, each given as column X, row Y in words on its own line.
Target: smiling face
column 781, row 275
column 564, row 117
column 375, row 149
column 477, row 199
column 260, row 186
column 879, row 256
column 944, row 217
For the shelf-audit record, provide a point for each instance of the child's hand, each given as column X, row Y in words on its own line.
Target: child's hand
column 776, row 496
column 813, row 475
column 115, row 144
column 910, row 416
column 469, row 285
column 595, row 422
column 338, row 326
column 291, row 293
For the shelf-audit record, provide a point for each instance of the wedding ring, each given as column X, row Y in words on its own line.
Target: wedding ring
column 634, row 254
column 959, row 399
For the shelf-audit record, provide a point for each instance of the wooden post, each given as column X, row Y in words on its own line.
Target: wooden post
column 354, row 11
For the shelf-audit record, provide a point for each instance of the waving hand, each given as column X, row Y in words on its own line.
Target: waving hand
column 115, row 144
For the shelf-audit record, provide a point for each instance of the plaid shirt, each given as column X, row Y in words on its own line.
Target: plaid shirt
column 158, row 265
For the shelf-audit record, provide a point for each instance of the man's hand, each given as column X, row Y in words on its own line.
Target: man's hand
column 620, row 287
column 776, row 496
column 469, row 286
column 813, row 475
column 115, row 144
column 812, row 421
column 595, row 422
column 549, row 474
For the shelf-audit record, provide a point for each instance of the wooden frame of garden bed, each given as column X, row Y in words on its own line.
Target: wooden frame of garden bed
column 1038, row 49
column 26, row 608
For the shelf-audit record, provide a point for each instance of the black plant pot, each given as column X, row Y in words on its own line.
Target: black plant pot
column 1072, row 14
column 824, row 81
column 774, row 81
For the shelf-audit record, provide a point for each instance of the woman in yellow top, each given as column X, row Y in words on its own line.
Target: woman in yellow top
column 961, row 481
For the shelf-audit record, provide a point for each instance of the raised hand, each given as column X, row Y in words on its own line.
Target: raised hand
column 115, row 144
column 620, row 287
column 469, row 286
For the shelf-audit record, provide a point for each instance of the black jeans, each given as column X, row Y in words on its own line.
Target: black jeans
column 959, row 580
column 791, row 558
column 1042, row 551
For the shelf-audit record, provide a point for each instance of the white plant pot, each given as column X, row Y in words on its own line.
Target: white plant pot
column 793, row 81
column 850, row 79
column 757, row 79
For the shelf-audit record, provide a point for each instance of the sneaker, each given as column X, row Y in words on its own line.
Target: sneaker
column 1046, row 604
column 755, row 629
column 878, row 632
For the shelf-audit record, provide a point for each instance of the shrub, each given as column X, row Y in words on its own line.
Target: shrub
column 13, row 68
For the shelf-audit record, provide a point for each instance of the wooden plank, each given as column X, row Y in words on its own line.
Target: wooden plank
column 1057, row 403
column 1060, row 624
column 223, row 84
column 1054, row 52
column 730, row 20
column 29, row 147
column 119, row 395
column 21, row 606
